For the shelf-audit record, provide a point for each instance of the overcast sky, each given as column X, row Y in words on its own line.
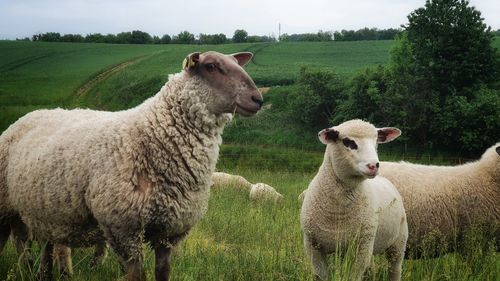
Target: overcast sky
column 23, row 18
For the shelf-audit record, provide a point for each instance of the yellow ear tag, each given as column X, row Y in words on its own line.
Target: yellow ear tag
column 188, row 63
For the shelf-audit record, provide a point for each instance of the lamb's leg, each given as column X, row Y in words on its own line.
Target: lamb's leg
column 318, row 260
column 46, row 263
column 162, row 265
column 395, row 255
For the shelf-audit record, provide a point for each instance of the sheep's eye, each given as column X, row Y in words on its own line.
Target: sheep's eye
column 210, row 67
column 350, row 143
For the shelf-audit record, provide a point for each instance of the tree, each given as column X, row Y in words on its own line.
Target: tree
column 240, row 36
column 165, row 39
column 185, row 37
column 444, row 68
column 452, row 46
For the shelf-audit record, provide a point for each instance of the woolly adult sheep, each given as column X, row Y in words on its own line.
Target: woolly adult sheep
column 76, row 177
column 348, row 204
column 445, row 203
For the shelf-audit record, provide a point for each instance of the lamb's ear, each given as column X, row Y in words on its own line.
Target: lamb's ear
column 191, row 61
column 328, row 135
column 498, row 150
column 243, row 58
column 387, row 134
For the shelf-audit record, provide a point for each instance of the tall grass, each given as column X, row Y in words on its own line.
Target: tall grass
column 239, row 240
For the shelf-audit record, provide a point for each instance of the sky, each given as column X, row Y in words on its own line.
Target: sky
column 23, row 18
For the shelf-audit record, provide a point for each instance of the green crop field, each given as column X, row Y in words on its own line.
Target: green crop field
column 46, row 75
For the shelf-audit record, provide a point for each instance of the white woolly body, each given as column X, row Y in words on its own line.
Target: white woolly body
column 448, row 200
column 76, row 175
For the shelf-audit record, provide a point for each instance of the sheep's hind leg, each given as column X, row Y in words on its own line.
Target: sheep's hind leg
column 22, row 241
column 4, row 234
column 63, row 260
column 101, row 251
column 46, row 263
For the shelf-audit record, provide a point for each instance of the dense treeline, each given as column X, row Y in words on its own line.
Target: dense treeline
column 239, row 36
column 441, row 86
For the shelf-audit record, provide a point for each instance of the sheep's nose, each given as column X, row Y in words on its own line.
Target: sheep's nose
column 258, row 100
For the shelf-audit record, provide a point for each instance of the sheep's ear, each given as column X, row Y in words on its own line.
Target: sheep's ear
column 387, row 134
column 191, row 61
column 498, row 150
column 243, row 58
column 328, row 135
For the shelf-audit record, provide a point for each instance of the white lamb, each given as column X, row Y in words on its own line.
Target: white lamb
column 264, row 192
column 224, row 179
column 348, row 203
column 79, row 177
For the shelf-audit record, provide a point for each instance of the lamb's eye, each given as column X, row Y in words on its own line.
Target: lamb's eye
column 350, row 143
column 210, row 67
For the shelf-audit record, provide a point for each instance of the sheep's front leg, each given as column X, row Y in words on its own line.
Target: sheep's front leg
column 395, row 255
column 127, row 243
column 362, row 259
column 162, row 260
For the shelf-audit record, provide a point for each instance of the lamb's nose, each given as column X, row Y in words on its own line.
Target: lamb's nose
column 373, row 166
column 258, row 100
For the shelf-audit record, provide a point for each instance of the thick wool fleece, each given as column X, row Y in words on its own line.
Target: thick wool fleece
column 446, row 202
column 75, row 176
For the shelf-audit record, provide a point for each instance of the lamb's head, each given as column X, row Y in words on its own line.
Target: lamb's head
column 230, row 88
column 352, row 147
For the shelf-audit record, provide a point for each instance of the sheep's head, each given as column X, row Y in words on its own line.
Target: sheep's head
column 352, row 147
column 232, row 90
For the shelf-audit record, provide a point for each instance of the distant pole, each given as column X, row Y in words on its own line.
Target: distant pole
column 279, row 31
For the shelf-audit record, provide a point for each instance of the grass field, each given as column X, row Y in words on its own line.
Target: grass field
column 238, row 240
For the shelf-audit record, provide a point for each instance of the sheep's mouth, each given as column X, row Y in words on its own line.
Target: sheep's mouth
column 245, row 111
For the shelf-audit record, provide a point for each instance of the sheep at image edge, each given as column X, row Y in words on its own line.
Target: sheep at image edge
column 445, row 203
column 348, row 205
column 78, row 177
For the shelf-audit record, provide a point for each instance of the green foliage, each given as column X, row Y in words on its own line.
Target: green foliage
column 366, row 34
column 165, row 39
column 212, row 39
column 185, row 37
column 240, row 36
column 451, row 46
column 313, row 100
column 308, row 37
